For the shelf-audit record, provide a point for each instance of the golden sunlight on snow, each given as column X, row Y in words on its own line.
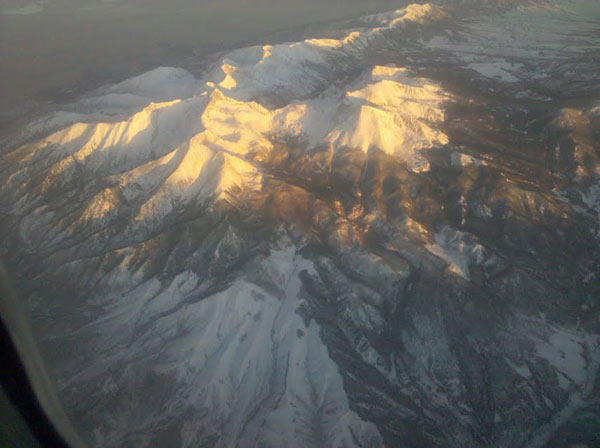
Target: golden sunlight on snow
column 386, row 109
column 197, row 148
column 103, row 203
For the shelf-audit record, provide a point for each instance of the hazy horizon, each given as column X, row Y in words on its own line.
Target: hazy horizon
column 54, row 50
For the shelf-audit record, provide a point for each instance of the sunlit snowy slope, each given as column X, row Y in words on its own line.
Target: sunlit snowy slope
column 385, row 236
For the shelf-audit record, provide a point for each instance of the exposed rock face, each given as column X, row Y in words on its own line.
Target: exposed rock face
column 388, row 237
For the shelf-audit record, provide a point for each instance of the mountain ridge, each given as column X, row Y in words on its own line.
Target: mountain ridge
column 366, row 241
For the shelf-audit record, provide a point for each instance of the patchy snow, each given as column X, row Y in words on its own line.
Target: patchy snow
column 462, row 159
column 313, row 385
column 500, row 70
column 592, row 200
column 457, row 249
column 243, row 353
column 575, row 357
column 517, row 44
column 564, row 350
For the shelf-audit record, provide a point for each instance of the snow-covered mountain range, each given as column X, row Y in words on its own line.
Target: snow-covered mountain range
column 386, row 236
